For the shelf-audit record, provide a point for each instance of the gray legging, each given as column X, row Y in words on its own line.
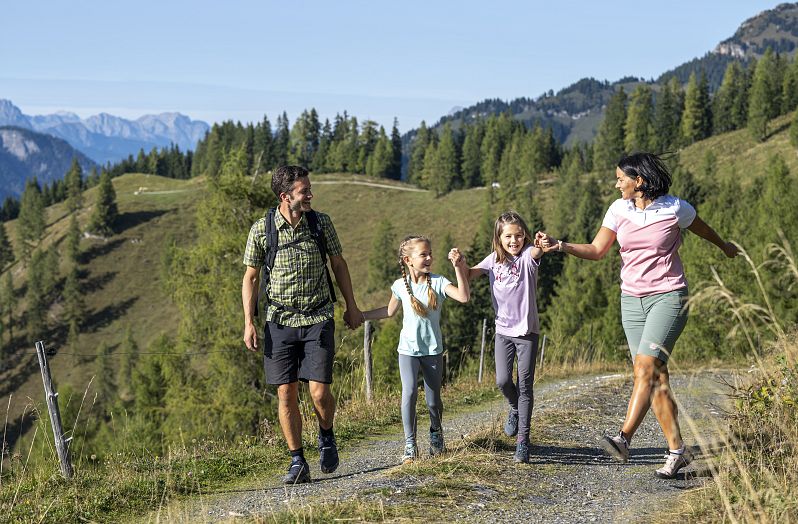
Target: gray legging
column 519, row 396
column 432, row 368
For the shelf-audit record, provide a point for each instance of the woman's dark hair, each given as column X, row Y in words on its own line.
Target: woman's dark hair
column 284, row 177
column 649, row 167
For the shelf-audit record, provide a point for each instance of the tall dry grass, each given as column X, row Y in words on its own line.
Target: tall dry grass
column 754, row 466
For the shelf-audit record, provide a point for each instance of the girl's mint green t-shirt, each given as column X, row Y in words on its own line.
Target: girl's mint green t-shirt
column 421, row 336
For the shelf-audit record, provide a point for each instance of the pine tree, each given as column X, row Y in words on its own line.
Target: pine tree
column 794, row 130
column 105, row 211
column 396, row 150
column 444, row 171
column 74, row 184
column 30, row 227
column 639, row 128
column 726, row 110
column 668, row 116
column 789, row 91
column 35, row 297
column 8, row 302
column 610, row 140
column 763, row 100
column 470, row 168
column 264, row 145
column 380, row 161
column 430, row 163
column 6, row 252
column 418, row 152
column 498, row 131
column 104, row 385
column 697, row 117
column 127, row 362
column 281, row 141
column 383, row 261
column 73, row 239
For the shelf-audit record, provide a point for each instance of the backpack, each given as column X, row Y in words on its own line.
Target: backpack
column 272, row 247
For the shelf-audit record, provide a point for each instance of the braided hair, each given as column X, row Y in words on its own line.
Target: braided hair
column 432, row 299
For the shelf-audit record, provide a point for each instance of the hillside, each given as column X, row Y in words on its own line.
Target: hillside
column 124, row 274
column 25, row 154
column 574, row 112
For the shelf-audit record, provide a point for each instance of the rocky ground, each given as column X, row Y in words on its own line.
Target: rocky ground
column 568, row 480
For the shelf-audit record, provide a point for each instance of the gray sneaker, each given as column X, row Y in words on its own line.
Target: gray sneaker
column 616, row 447
column 436, row 442
column 411, row 452
column 511, row 426
column 673, row 463
column 521, row 453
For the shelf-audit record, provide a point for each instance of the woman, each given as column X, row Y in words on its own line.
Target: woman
column 647, row 223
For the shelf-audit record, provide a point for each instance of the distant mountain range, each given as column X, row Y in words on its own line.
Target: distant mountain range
column 108, row 138
column 25, row 154
column 575, row 112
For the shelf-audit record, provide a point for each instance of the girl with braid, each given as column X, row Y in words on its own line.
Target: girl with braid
column 421, row 294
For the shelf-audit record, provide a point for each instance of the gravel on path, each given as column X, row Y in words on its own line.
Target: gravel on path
column 568, row 479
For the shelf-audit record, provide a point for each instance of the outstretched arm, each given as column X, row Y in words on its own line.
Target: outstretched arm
column 383, row 312
column 249, row 293
column 461, row 292
column 596, row 250
column 702, row 229
column 352, row 316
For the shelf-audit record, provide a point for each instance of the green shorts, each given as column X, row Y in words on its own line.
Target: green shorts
column 653, row 324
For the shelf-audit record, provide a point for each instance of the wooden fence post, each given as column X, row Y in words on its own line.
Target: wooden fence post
column 61, row 444
column 367, row 357
column 482, row 349
column 542, row 351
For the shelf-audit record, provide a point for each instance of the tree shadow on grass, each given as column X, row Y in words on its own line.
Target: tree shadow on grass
column 97, row 250
column 106, row 315
column 130, row 220
column 95, row 283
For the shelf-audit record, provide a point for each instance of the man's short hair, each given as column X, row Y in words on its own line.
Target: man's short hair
column 284, row 177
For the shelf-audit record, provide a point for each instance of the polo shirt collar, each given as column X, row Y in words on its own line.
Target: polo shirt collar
column 280, row 221
column 656, row 204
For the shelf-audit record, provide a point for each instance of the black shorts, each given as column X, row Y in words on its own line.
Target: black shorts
column 299, row 353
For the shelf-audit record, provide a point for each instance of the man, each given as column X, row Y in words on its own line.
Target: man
column 299, row 334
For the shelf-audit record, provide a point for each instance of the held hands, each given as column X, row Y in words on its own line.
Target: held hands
column 546, row 242
column 456, row 257
column 353, row 318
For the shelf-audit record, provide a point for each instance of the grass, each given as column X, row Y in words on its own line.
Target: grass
column 741, row 157
column 132, row 483
column 755, row 471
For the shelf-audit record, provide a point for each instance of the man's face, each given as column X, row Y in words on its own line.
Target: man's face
column 300, row 195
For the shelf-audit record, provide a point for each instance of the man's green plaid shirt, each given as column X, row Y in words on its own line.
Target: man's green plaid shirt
column 297, row 278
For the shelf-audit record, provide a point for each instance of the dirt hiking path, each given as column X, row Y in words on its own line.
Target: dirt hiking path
column 568, row 479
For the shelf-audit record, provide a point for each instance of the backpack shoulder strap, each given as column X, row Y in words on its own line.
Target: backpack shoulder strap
column 272, row 237
column 317, row 232
column 321, row 241
column 271, row 254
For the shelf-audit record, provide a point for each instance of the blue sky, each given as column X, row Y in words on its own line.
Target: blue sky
column 412, row 60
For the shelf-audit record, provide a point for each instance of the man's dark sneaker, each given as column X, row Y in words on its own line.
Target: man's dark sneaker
column 298, row 472
column 521, row 453
column 328, row 454
column 511, row 426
